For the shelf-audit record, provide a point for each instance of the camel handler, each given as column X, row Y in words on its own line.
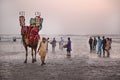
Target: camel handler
column 42, row 49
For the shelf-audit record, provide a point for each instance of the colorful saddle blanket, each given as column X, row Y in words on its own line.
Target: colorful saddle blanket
column 30, row 34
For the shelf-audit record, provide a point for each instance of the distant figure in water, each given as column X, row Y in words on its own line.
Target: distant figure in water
column 91, row 44
column 99, row 46
column 14, row 39
column 103, row 45
column 42, row 49
column 53, row 45
column 108, row 46
column 47, row 43
column 61, row 43
column 110, row 42
column 68, row 46
column 94, row 43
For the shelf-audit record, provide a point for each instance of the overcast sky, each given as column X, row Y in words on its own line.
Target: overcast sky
column 63, row 16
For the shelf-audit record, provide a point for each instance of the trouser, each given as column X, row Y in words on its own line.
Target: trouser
column 94, row 47
column 42, row 59
column 108, row 53
column 61, row 47
column 99, row 50
column 68, row 53
column 91, row 47
column 53, row 49
column 104, row 51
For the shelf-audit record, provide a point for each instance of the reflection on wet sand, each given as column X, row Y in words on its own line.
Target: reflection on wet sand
column 82, row 65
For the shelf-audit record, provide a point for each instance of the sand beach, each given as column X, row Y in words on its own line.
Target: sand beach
column 82, row 65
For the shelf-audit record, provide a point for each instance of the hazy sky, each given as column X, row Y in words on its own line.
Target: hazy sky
column 63, row 16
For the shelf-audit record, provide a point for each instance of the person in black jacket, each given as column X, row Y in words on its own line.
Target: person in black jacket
column 91, row 44
column 94, row 43
column 69, row 47
column 103, row 45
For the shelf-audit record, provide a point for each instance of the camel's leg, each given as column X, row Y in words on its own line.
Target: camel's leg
column 26, row 54
column 32, row 55
column 35, row 54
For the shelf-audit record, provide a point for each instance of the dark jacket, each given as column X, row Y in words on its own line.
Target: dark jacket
column 90, row 41
column 95, row 42
column 69, row 45
column 104, row 43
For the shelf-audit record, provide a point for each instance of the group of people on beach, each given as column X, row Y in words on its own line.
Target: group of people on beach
column 104, row 45
column 43, row 47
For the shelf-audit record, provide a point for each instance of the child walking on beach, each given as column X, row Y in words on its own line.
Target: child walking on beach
column 42, row 49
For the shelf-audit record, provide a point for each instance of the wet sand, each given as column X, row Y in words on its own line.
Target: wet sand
column 82, row 65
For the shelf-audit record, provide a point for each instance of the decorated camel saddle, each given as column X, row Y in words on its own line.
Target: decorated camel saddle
column 30, row 33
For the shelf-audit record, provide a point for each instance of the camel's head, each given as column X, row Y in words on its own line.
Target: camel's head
column 22, row 21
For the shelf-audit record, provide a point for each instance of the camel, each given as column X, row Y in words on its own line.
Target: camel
column 30, row 36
